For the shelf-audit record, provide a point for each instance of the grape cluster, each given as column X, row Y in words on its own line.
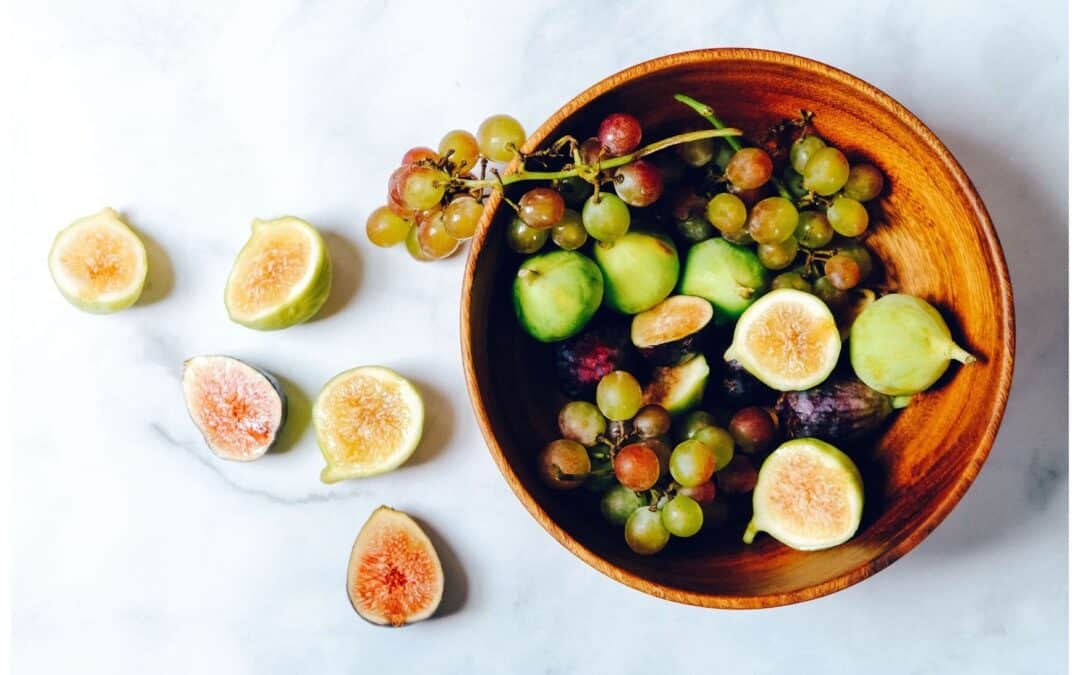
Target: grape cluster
column 657, row 478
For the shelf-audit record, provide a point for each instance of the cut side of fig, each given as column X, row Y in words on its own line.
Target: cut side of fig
column 678, row 389
column 787, row 339
column 394, row 577
column 368, row 421
column 281, row 277
column 98, row 263
column 238, row 408
column 672, row 331
column 809, row 496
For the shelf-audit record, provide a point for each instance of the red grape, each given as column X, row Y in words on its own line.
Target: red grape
column 541, row 208
column 639, row 183
column 637, row 467
column 562, row 464
column 738, row 477
column 749, row 168
column 418, row 154
column 753, row 429
column 591, row 150
column 619, row 133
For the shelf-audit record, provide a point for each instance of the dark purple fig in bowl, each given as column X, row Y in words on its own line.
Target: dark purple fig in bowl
column 840, row 409
column 673, row 331
column 584, row 359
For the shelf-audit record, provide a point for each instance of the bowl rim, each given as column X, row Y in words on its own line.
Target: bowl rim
column 996, row 262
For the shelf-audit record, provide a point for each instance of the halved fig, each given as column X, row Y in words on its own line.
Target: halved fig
column 394, row 576
column 678, row 389
column 809, row 495
column 238, row 408
column 98, row 263
column 672, row 331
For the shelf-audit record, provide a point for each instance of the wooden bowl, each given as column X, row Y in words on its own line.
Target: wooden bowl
column 934, row 237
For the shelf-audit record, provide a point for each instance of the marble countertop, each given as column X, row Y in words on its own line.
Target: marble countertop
column 137, row 552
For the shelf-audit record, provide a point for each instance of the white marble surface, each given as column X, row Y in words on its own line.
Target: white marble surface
column 136, row 552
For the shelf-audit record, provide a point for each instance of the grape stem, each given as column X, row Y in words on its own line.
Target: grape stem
column 613, row 163
column 736, row 145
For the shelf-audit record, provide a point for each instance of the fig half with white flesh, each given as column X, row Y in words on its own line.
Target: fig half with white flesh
column 98, row 263
column 672, row 332
column 394, row 576
column 238, row 408
column 809, row 496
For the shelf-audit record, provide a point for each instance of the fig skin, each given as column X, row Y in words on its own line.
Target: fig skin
column 583, row 360
column 842, row 409
column 734, row 387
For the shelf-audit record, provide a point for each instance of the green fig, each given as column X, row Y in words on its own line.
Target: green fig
column 640, row 270
column 556, row 293
column 730, row 277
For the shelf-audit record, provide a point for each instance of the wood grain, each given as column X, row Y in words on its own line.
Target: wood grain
column 935, row 238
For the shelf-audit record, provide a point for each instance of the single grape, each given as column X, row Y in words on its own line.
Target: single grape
column 749, row 168
column 692, row 463
column 690, row 424
column 618, row 395
column 778, row 256
column 803, row 149
column 662, row 448
column 832, row 296
column 525, row 239
column 696, row 153
column 793, row 181
column 461, row 148
column 570, row 233
column 563, row 463
column 813, row 230
column 639, row 183
column 772, row 220
column 826, row 171
column 727, row 213
column 860, row 253
column 738, row 478
column 683, row 201
column 843, row 271
column 419, row 154
column 462, row 215
column 636, row 466
column 724, row 153
column 864, row 182
column 591, row 150
column 618, row 503
column 499, row 137
column 682, row 516
column 702, row 494
column 541, row 208
column 434, row 240
column 753, row 429
column 412, row 245
column 385, row 228
column 695, row 229
column 417, row 187
column 619, row 133
column 792, row 280
column 644, row 531
column 652, row 421
column 848, row 216
column 720, row 442
column 581, row 421
column 606, row 217
column 574, row 191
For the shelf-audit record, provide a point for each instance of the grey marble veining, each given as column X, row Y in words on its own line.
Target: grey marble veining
column 136, row 551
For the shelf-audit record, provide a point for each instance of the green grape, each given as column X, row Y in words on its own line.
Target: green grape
column 461, row 148
column 843, row 271
column 772, row 220
column 694, row 421
column 652, row 421
column 749, row 168
column 864, row 182
column 618, row 395
column 606, row 217
column 462, row 215
column 618, row 503
column 541, row 208
column 802, row 150
column 720, row 443
column 696, row 153
column 695, row 229
column 778, row 256
column 499, row 136
column 645, row 532
column 727, row 213
column 793, row 181
column 826, row 171
column 385, row 228
column 417, row 187
column 412, row 245
column 848, row 216
column 525, row 239
column 792, row 280
column 813, row 230
column 740, row 238
column 860, row 253
column 692, row 463
column 570, row 233
column 682, row 516
column 724, row 153
column 434, row 240
column 582, row 421
column 835, row 298
column 562, row 464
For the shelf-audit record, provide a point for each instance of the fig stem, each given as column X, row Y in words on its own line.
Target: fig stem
column 958, row 354
column 899, row 402
column 750, row 533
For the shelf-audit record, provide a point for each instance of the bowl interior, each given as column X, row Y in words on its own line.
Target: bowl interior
column 932, row 235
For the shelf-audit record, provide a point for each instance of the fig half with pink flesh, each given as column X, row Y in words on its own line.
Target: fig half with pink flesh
column 238, row 408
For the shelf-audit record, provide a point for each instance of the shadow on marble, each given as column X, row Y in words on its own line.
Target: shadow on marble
column 347, row 274
column 456, row 584
column 297, row 418
column 159, row 274
column 438, row 423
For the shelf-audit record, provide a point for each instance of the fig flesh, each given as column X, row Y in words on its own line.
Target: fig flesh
column 394, row 576
column 672, row 332
column 98, row 263
column 678, row 389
